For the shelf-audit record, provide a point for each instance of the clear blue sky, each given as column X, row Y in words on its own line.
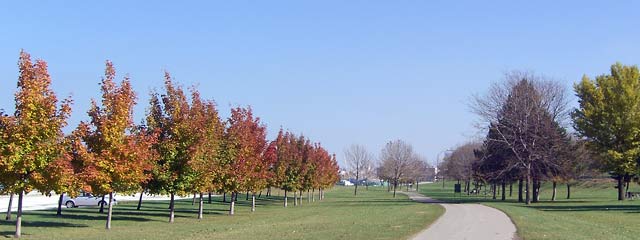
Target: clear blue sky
column 340, row 72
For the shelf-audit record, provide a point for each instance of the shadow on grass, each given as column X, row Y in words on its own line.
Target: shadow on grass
column 41, row 224
column 589, row 208
column 114, row 217
column 131, row 213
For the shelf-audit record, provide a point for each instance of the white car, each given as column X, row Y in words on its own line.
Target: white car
column 85, row 199
column 345, row 183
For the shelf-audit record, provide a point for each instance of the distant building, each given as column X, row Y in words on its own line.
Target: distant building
column 430, row 175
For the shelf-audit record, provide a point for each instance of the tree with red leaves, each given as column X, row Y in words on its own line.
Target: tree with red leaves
column 250, row 155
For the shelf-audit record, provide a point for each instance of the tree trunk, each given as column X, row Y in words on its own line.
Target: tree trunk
column 494, row 190
column 313, row 195
column 233, row 203
column 109, row 211
column 295, row 198
column 535, row 192
column 355, row 190
column 528, row 187
column 568, row 191
column 366, row 185
column 417, row 185
column 8, row 217
column 172, row 207
column 510, row 189
column 520, row 190
column 504, row 193
column 285, row 198
column 395, row 185
column 467, row 186
column 620, row 189
column 300, row 196
column 475, row 187
column 102, row 205
column 59, row 212
column 19, row 216
column 308, row 196
column 193, row 202
column 553, row 194
column 140, row 201
column 209, row 197
column 260, row 194
column 247, row 198
column 253, row 202
column 538, row 190
column 200, row 207
column 224, row 197
column 627, row 186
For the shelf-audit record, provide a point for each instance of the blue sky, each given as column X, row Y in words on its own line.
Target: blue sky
column 341, row 72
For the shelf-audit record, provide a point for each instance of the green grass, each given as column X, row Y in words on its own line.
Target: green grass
column 373, row 214
column 592, row 212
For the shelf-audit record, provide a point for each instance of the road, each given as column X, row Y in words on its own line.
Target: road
column 466, row 222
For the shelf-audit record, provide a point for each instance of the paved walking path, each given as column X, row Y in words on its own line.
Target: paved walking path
column 466, row 222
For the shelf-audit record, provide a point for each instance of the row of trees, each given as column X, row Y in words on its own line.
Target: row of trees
column 397, row 164
column 527, row 140
column 182, row 147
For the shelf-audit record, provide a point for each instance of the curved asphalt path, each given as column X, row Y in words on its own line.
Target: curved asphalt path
column 466, row 222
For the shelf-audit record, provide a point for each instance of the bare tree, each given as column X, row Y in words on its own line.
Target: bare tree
column 369, row 171
column 397, row 157
column 419, row 170
column 359, row 161
column 459, row 163
column 526, row 114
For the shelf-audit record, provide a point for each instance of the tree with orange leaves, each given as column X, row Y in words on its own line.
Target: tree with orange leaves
column 60, row 175
column 207, row 128
column 288, row 164
column 327, row 171
column 30, row 139
column 188, row 143
column 115, row 153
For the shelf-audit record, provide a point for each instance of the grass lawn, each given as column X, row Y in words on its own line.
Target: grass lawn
column 373, row 214
column 592, row 212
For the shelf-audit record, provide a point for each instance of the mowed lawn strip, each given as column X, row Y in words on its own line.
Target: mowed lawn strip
column 592, row 212
column 373, row 214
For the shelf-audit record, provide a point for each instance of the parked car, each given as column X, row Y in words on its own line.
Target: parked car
column 345, row 183
column 86, row 199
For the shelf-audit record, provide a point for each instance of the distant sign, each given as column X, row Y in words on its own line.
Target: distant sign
column 456, row 188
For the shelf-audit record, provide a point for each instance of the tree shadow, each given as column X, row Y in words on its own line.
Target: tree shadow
column 114, row 217
column 589, row 208
column 42, row 224
column 39, row 224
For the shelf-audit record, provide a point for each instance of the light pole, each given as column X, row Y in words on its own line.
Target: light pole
column 437, row 163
